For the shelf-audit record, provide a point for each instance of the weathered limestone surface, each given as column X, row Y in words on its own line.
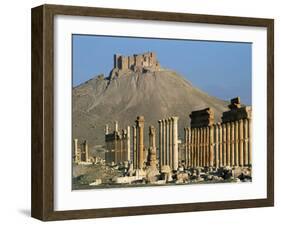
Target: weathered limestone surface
column 175, row 143
column 202, row 118
column 225, row 144
column 168, row 142
column 76, row 151
column 152, row 147
column 137, row 63
column 134, row 147
column 140, row 142
column 118, row 144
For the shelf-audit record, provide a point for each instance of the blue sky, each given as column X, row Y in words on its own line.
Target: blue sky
column 222, row 69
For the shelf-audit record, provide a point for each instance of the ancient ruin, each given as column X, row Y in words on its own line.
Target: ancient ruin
column 139, row 150
column 81, row 152
column 152, row 155
column 118, row 148
column 139, row 63
column 222, row 144
column 209, row 151
column 168, row 142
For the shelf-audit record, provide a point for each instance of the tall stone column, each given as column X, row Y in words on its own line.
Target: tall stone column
column 76, row 152
column 220, row 146
column 228, row 144
column 152, row 147
column 164, row 143
column 128, row 143
column 250, row 141
column 116, row 150
column 204, row 154
column 200, row 147
column 195, row 147
column 246, row 140
column 189, row 146
column 140, row 137
column 86, row 150
column 224, row 143
column 185, row 147
column 170, row 122
column 116, row 126
column 175, row 143
column 217, row 146
column 152, row 135
column 122, row 147
column 211, row 150
column 232, row 126
column 236, row 143
column 160, row 143
column 241, row 138
column 207, row 149
column 134, row 147
column 106, row 129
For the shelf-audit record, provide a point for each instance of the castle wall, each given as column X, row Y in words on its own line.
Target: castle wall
column 136, row 62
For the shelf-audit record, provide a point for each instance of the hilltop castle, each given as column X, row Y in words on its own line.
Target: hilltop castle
column 142, row 63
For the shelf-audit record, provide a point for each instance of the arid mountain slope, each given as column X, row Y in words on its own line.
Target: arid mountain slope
column 155, row 95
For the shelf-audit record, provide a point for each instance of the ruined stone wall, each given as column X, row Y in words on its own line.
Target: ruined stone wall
column 117, row 144
column 81, row 152
column 136, row 62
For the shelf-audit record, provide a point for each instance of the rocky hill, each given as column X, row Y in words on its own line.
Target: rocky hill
column 124, row 95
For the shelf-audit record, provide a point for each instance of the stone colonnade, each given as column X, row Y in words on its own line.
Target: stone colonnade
column 219, row 145
column 168, row 142
column 81, row 154
column 222, row 144
column 117, row 144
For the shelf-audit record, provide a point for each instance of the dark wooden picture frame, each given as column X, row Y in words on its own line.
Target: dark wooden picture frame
column 42, row 203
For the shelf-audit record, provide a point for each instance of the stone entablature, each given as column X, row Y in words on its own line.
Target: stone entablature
column 236, row 111
column 201, row 118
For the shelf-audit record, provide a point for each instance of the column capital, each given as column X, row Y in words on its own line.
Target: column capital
column 140, row 118
column 175, row 118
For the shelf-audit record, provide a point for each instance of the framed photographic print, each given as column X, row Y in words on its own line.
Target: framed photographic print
column 141, row 112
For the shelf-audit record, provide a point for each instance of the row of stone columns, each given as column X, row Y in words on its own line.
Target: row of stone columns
column 122, row 146
column 81, row 154
column 168, row 142
column 219, row 145
column 117, row 144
